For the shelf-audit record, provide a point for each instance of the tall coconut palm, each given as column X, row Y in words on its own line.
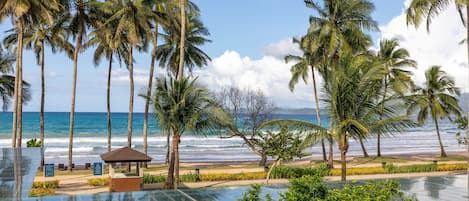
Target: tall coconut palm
column 134, row 23
column 182, row 106
column 159, row 8
column 437, row 99
column 339, row 27
column 23, row 13
column 80, row 18
column 103, row 39
column 36, row 36
column 397, row 77
column 168, row 53
column 299, row 70
column 428, row 10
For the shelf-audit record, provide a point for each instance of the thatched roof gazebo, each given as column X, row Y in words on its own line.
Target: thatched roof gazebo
column 125, row 182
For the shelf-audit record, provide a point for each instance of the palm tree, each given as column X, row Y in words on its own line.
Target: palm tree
column 184, row 106
column 437, row 99
column 35, row 37
column 7, row 82
column 429, row 9
column 168, row 53
column 160, row 17
column 397, row 78
column 300, row 70
column 78, row 23
column 134, row 23
column 23, row 13
column 103, row 38
column 338, row 27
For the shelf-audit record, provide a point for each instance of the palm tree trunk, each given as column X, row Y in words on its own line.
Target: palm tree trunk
column 17, row 80
column 270, row 170
column 362, row 145
column 318, row 113
column 131, row 98
column 180, row 75
column 330, row 160
column 19, row 121
column 74, row 89
column 170, row 183
column 443, row 153
column 168, row 147
column 108, row 104
column 378, row 146
column 150, row 84
column 343, row 147
column 41, row 117
column 176, row 159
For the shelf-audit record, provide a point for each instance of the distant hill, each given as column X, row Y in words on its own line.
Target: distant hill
column 463, row 100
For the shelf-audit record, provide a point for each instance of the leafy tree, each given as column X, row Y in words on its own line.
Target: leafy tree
column 437, row 99
column 397, row 78
column 253, row 194
column 248, row 111
column 181, row 106
column 461, row 122
column 283, row 145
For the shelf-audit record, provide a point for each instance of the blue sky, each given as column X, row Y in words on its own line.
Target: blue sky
column 241, row 31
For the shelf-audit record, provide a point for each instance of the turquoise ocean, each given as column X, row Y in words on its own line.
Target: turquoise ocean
column 90, row 139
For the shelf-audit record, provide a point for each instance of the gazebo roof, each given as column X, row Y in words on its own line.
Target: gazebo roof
column 125, row 154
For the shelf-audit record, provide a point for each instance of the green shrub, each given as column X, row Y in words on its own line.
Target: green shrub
column 153, row 179
column 306, row 188
column 46, row 184
column 98, row 181
column 383, row 191
column 190, row 177
column 291, row 172
column 253, row 194
column 36, row 192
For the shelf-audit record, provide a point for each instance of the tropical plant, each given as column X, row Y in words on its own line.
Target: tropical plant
column 338, row 26
column 36, row 36
column 437, row 99
column 107, row 46
column 23, row 13
column 134, row 23
column 34, row 143
column 283, row 145
column 168, row 53
column 248, row 111
column 80, row 16
column 181, row 106
column 461, row 122
column 397, row 78
column 428, row 10
column 7, row 82
column 300, row 69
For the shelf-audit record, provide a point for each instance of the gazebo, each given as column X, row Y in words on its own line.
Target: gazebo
column 125, row 182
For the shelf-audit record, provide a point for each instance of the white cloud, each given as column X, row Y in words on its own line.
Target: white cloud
column 282, row 48
column 439, row 47
column 268, row 74
column 121, row 77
